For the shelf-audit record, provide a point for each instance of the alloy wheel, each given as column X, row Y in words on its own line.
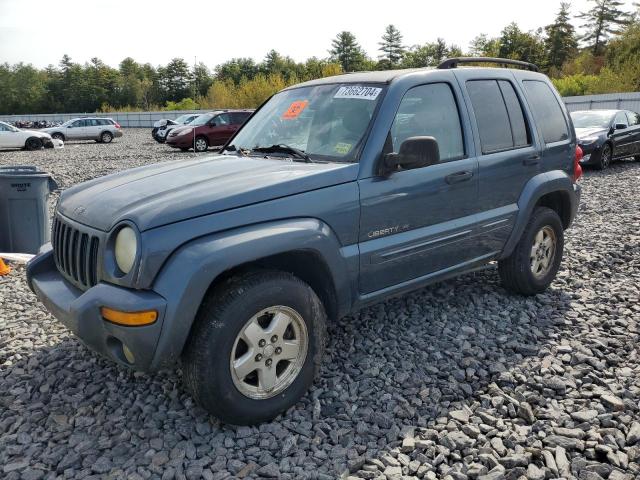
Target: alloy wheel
column 269, row 352
column 543, row 252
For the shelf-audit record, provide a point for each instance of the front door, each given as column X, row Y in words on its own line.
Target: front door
column 220, row 130
column 75, row 131
column 420, row 222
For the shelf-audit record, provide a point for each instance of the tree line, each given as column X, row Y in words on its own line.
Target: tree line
column 603, row 58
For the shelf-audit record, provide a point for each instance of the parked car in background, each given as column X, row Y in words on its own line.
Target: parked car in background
column 338, row 193
column 208, row 130
column 607, row 135
column 162, row 127
column 100, row 129
column 13, row 137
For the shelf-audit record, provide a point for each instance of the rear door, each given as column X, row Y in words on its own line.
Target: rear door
column 93, row 128
column 634, row 128
column 509, row 154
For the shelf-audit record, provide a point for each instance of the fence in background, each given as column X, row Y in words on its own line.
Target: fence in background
column 613, row 101
column 619, row 101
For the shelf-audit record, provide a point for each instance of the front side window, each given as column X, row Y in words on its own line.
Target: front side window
column 77, row 123
column 324, row 121
column 621, row 117
column 429, row 110
column 222, row 119
column 546, row 111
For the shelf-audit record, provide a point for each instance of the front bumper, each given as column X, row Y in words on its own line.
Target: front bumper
column 180, row 141
column 591, row 153
column 79, row 311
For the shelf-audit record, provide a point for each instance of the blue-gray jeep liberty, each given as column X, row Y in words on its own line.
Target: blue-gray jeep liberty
column 335, row 194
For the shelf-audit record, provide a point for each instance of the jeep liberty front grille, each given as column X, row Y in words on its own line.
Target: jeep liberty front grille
column 75, row 254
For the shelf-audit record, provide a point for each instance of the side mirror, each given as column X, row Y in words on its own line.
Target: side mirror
column 620, row 126
column 415, row 152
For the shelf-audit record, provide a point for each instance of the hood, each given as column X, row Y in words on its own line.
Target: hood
column 590, row 132
column 39, row 133
column 169, row 192
column 180, row 129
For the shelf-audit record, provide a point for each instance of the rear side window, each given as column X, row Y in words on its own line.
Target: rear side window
column 239, row 117
column 103, row 121
column 546, row 111
column 499, row 116
column 429, row 110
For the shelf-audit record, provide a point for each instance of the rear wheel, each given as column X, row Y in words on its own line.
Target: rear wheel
column 605, row 157
column 33, row 143
column 535, row 261
column 255, row 347
column 58, row 136
column 201, row 144
column 106, row 137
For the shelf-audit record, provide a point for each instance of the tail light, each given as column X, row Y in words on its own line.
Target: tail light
column 577, row 168
column 118, row 126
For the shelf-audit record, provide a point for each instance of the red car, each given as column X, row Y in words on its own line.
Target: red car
column 208, row 130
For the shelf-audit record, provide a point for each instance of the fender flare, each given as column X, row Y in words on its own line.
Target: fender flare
column 538, row 186
column 188, row 273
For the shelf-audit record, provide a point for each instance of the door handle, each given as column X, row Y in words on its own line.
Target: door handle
column 532, row 160
column 458, row 177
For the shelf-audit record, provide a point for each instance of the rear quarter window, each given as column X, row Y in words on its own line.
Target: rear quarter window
column 546, row 110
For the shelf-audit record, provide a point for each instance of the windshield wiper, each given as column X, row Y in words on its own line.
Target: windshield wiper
column 282, row 148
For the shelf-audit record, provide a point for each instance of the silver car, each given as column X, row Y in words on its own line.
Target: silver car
column 100, row 129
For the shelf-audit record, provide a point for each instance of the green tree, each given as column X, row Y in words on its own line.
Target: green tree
column 518, row 45
column 346, row 51
column 560, row 42
column 603, row 20
column 202, row 79
column 391, row 46
column 483, row 46
column 429, row 54
column 176, row 80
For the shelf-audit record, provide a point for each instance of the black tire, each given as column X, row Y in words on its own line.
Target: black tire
column 106, row 137
column 58, row 136
column 516, row 270
column 606, row 155
column 637, row 158
column 222, row 315
column 200, row 144
column 33, row 143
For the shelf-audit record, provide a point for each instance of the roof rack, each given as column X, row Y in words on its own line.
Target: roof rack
column 454, row 62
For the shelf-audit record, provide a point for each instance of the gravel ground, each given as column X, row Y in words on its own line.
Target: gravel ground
column 459, row 380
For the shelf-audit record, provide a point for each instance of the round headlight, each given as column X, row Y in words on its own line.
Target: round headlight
column 126, row 249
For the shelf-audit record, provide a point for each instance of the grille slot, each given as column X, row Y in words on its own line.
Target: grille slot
column 75, row 253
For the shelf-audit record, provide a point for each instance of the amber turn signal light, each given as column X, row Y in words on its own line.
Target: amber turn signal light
column 129, row 319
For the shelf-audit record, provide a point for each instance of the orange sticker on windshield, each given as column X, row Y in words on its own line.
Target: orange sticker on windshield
column 295, row 109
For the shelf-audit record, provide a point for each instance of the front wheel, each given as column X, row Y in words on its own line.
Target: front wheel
column 255, row 347
column 201, row 144
column 33, row 143
column 535, row 261
column 605, row 157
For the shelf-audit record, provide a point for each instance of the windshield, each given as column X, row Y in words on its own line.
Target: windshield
column 9, row 128
column 326, row 121
column 181, row 118
column 591, row 119
column 201, row 119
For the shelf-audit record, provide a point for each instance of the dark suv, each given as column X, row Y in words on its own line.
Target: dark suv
column 336, row 194
column 208, row 130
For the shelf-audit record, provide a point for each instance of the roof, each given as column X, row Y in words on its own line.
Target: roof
column 377, row 76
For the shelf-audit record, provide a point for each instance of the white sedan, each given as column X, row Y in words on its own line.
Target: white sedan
column 12, row 137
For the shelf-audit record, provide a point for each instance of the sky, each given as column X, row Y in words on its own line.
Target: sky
column 213, row 31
